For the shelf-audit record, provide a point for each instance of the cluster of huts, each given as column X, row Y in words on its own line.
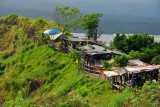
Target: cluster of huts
column 135, row 74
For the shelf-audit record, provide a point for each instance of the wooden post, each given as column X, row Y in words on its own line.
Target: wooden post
column 87, row 60
column 151, row 76
column 116, row 80
column 121, row 81
column 132, row 79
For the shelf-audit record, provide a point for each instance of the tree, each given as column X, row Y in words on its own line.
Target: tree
column 132, row 42
column 67, row 17
column 156, row 60
column 76, row 56
column 91, row 22
column 121, row 61
column 148, row 54
column 119, row 41
column 134, row 54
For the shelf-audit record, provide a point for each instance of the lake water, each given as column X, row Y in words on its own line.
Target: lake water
column 108, row 37
column 123, row 16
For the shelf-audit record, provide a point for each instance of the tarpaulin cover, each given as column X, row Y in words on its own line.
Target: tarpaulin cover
column 51, row 31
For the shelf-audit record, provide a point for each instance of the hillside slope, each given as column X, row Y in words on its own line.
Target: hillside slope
column 32, row 73
column 35, row 74
column 44, row 76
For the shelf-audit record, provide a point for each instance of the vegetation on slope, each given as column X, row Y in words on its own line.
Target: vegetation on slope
column 144, row 46
column 45, row 77
column 32, row 74
column 17, row 31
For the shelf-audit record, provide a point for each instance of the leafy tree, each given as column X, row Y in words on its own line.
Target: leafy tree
column 67, row 17
column 91, row 23
column 148, row 54
column 134, row 54
column 121, row 61
column 119, row 41
column 156, row 60
column 138, row 41
column 76, row 56
column 132, row 42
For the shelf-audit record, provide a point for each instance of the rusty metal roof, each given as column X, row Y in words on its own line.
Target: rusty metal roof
column 74, row 39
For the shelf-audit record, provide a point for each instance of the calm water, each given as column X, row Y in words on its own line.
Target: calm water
column 108, row 37
column 127, row 16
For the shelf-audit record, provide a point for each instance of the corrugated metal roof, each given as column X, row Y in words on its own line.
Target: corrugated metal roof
column 110, row 73
column 76, row 39
column 118, row 52
column 96, row 49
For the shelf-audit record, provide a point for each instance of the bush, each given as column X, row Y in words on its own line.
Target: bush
column 25, row 21
column 121, row 61
column 134, row 54
column 106, row 65
column 11, row 18
column 39, row 23
column 3, row 29
column 38, row 33
column 132, row 42
column 4, row 55
column 156, row 60
column 120, row 99
column 19, row 102
column 148, row 54
column 59, row 45
column 83, row 92
column 75, row 54
column 148, row 96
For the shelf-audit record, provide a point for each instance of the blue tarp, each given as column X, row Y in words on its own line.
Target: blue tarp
column 51, row 31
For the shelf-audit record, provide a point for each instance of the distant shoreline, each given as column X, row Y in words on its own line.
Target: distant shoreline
column 108, row 37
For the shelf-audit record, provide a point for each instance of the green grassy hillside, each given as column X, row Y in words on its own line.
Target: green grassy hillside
column 32, row 74
column 46, row 77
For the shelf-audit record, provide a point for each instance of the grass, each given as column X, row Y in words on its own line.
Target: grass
column 148, row 96
column 61, row 83
column 32, row 74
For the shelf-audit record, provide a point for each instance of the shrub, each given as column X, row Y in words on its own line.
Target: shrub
column 106, row 65
column 11, row 18
column 19, row 102
column 39, row 23
column 148, row 54
column 38, row 33
column 148, row 96
column 75, row 54
column 25, row 21
column 3, row 29
column 118, row 100
column 59, row 45
column 25, row 48
column 156, row 60
column 121, row 61
column 4, row 55
column 134, row 54
column 83, row 92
